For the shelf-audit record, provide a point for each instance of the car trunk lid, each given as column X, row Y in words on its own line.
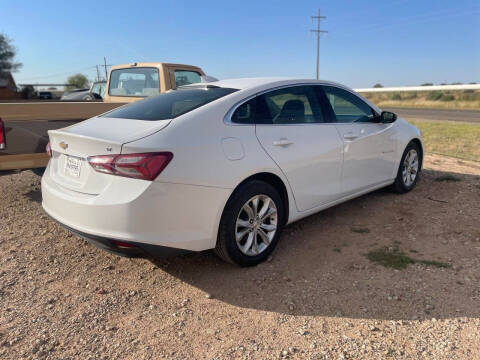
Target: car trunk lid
column 72, row 146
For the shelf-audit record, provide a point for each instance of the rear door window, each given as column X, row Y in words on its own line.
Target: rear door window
column 288, row 106
column 245, row 113
column 136, row 81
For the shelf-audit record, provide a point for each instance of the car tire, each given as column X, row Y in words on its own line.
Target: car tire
column 408, row 169
column 258, row 229
column 88, row 97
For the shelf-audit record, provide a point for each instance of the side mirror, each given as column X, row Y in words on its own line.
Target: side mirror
column 387, row 117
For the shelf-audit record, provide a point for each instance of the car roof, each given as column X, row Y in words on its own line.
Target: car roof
column 265, row 82
column 250, row 86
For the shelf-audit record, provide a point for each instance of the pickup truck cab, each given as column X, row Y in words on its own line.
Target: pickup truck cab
column 128, row 83
column 23, row 131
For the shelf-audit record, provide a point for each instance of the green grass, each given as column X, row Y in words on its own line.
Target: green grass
column 390, row 258
column 447, row 177
column 396, row 259
column 360, row 230
column 460, row 140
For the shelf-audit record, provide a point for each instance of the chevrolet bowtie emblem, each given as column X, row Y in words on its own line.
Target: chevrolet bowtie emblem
column 64, row 145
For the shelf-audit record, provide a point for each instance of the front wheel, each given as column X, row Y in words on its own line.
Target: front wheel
column 251, row 224
column 408, row 170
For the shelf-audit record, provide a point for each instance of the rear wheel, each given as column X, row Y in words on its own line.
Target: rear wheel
column 408, row 170
column 251, row 224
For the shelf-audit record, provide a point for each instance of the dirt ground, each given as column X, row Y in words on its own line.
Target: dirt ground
column 319, row 297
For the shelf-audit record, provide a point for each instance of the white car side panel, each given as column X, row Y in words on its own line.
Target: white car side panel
column 311, row 162
column 369, row 154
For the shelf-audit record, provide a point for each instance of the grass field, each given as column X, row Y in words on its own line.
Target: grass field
column 453, row 99
column 460, row 140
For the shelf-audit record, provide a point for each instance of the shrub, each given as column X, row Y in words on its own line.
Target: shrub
column 469, row 96
column 448, row 97
column 409, row 95
column 396, row 96
column 434, row 95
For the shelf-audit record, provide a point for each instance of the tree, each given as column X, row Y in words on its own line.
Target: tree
column 7, row 55
column 77, row 81
column 378, row 85
column 426, row 84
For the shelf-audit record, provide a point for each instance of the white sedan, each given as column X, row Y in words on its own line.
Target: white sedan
column 223, row 165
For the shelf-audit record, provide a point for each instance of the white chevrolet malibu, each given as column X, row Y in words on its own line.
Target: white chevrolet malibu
column 223, row 165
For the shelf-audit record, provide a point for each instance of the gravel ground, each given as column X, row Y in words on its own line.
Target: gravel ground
column 319, row 297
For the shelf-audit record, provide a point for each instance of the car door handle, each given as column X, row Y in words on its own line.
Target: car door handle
column 282, row 142
column 350, row 136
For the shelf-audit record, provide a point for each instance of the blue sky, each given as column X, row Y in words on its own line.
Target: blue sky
column 397, row 42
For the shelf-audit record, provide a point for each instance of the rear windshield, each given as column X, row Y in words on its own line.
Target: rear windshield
column 138, row 81
column 170, row 104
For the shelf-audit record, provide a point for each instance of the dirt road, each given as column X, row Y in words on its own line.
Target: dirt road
column 319, row 297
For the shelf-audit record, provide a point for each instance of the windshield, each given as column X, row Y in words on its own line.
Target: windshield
column 99, row 89
column 170, row 104
column 138, row 81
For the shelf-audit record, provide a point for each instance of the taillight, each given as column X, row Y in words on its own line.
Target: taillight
column 48, row 149
column 3, row 139
column 146, row 166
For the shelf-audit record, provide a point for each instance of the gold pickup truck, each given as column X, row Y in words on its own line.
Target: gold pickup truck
column 24, row 125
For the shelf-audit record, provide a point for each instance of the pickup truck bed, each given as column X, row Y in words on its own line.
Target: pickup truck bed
column 26, row 126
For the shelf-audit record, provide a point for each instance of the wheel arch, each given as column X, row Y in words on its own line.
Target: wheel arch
column 273, row 180
column 417, row 142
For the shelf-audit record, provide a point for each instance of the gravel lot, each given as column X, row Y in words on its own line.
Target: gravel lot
column 319, row 297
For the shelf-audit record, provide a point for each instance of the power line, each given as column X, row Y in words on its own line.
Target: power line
column 318, row 32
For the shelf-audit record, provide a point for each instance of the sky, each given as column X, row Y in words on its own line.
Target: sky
column 395, row 43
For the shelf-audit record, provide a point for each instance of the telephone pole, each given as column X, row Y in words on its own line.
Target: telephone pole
column 105, row 66
column 318, row 32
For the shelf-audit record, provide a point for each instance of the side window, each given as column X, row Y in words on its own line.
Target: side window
column 347, row 107
column 245, row 113
column 292, row 105
column 186, row 77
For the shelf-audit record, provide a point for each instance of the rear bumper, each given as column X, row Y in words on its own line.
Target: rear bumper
column 175, row 216
column 127, row 249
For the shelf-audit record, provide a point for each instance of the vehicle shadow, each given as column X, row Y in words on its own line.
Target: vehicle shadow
column 34, row 195
column 321, row 264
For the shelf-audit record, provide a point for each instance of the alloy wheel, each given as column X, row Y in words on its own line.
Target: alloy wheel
column 256, row 225
column 410, row 168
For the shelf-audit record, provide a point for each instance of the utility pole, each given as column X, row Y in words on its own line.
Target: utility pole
column 105, row 63
column 318, row 32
